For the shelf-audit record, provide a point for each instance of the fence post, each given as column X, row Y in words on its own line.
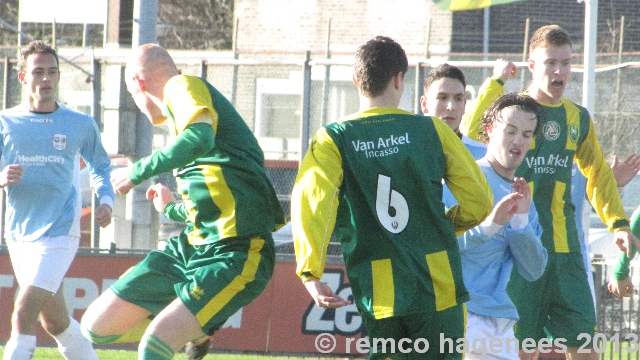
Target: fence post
column 96, row 113
column 418, row 88
column 327, row 78
column 234, row 75
column 306, row 106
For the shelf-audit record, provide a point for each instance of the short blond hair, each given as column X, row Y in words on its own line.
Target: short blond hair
column 549, row 35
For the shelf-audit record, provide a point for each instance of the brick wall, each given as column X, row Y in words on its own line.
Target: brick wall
column 298, row 26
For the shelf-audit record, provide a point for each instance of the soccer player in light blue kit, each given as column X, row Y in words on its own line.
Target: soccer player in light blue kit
column 444, row 98
column 41, row 143
column 510, row 236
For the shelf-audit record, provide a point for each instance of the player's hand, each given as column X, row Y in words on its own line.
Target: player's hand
column 11, row 174
column 323, row 295
column 504, row 69
column 521, row 187
column 625, row 171
column 504, row 209
column 624, row 239
column 161, row 196
column 621, row 288
column 103, row 215
column 120, row 181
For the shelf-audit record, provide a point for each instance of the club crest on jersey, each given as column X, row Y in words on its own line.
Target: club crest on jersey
column 551, row 130
column 573, row 133
column 59, row 141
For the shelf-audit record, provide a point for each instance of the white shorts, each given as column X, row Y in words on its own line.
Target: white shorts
column 490, row 338
column 43, row 262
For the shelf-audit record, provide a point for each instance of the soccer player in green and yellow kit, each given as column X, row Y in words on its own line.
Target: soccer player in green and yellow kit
column 374, row 179
column 560, row 302
column 225, row 256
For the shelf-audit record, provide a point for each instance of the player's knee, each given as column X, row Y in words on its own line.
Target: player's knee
column 98, row 339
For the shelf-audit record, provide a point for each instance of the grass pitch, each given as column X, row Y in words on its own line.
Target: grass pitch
column 45, row 353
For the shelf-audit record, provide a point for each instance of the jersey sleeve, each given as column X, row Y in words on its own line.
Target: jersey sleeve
column 186, row 97
column 314, row 204
column 529, row 255
column 465, row 181
column 195, row 141
column 490, row 90
column 176, row 212
column 602, row 190
column 99, row 165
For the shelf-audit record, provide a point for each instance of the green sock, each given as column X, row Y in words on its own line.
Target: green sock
column 152, row 348
column 133, row 335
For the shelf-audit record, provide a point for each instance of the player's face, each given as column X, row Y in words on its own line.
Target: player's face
column 509, row 140
column 550, row 70
column 445, row 100
column 41, row 76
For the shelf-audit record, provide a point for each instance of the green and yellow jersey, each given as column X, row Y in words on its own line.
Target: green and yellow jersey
column 219, row 166
column 375, row 179
column 566, row 134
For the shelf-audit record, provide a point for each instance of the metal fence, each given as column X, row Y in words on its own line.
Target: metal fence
column 285, row 101
column 617, row 318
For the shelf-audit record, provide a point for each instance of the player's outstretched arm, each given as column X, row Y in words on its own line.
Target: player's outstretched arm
column 121, row 182
column 626, row 241
column 103, row 215
column 621, row 288
column 504, row 69
column 11, row 174
column 161, row 196
column 626, row 170
column 323, row 295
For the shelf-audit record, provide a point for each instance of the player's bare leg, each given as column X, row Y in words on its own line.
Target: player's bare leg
column 529, row 356
column 110, row 315
column 176, row 326
column 572, row 354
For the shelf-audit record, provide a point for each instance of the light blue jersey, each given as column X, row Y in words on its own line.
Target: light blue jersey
column 487, row 261
column 47, row 201
column 477, row 149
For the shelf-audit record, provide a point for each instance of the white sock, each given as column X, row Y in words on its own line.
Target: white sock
column 73, row 345
column 19, row 347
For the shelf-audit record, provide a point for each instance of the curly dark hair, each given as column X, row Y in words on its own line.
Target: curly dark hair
column 35, row 47
column 377, row 61
column 522, row 102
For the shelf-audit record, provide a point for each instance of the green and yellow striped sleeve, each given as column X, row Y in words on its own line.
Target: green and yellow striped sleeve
column 314, row 204
column 466, row 182
column 602, row 189
column 490, row 90
column 186, row 97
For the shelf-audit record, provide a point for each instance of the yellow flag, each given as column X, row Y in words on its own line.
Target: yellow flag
column 460, row 5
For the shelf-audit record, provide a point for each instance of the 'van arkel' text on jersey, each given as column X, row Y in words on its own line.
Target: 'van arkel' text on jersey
column 542, row 165
column 381, row 147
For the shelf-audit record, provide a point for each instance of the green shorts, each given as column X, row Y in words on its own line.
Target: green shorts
column 447, row 325
column 559, row 302
column 213, row 281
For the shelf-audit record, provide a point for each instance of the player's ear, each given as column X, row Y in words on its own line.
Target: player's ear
column 423, row 105
column 531, row 65
column 21, row 76
column 489, row 129
column 398, row 79
column 140, row 83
